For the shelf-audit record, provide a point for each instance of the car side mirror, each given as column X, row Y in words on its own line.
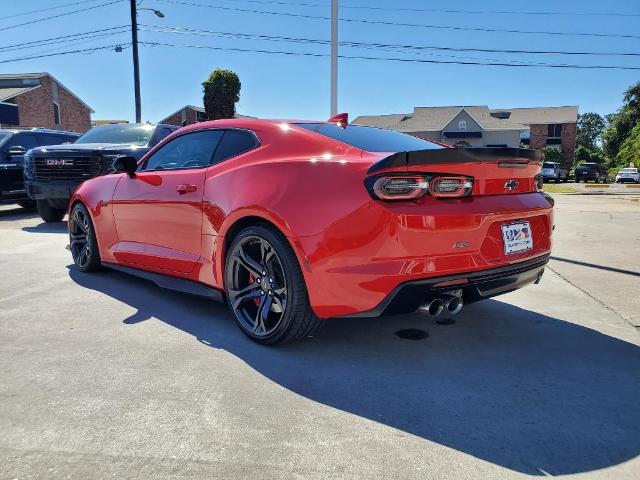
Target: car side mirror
column 126, row 164
column 16, row 150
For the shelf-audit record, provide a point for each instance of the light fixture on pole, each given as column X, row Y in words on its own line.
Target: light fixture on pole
column 134, row 45
column 334, row 57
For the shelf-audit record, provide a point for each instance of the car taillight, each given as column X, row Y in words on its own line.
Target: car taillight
column 539, row 179
column 410, row 187
column 400, row 187
column 443, row 186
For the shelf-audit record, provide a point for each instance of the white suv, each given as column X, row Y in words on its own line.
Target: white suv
column 628, row 175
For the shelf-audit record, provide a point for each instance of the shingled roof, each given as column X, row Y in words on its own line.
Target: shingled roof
column 430, row 119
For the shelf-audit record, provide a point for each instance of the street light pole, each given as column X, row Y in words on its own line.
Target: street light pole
column 136, row 65
column 334, row 57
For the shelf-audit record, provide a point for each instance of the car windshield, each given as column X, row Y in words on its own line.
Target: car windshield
column 119, row 133
column 3, row 137
column 548, row 165
column 370, row 139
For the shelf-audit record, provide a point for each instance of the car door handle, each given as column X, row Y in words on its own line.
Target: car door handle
column 184, row 189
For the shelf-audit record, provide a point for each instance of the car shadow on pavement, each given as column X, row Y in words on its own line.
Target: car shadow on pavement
column 17, row 213
column 510, row 386
column 44, row 227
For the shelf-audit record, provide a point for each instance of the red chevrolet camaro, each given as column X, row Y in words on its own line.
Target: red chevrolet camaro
column 292, row 222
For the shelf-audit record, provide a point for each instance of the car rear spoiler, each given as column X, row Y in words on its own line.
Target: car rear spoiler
column 505, row 157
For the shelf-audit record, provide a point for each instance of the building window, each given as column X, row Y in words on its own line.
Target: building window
column 56, row 113
column 462, row 125
column 201, row 117
column 554, row 130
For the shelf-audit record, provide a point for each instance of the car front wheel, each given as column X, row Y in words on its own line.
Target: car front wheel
column 265, row 287
column 82, row 240
column 48, row 213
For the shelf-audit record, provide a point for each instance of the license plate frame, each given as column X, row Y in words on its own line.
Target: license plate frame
column 517, row 237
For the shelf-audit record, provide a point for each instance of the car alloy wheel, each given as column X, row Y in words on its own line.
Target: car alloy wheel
column 82, row 240
column 257, row 286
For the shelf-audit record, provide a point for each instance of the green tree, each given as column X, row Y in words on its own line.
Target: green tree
column 590, row 128
column 221, row 93
column 589, row 155
column 622, row 122
column 552, row 155
column 629, row 153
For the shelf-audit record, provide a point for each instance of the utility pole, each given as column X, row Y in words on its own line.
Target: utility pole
column 334, row 57
column 136, row 66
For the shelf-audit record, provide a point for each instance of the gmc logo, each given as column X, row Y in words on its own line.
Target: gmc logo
column 59, row 162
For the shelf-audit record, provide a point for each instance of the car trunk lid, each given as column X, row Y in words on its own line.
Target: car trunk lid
column 495, row 171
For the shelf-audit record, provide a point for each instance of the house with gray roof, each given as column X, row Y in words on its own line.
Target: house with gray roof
column 480, row 126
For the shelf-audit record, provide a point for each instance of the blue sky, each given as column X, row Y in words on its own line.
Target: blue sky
column 279, row 86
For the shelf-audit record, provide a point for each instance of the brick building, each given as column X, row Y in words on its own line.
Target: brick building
column 39, row 100
column 548, row 127
column 186, row 116
column 190, row 114
column 480, row 126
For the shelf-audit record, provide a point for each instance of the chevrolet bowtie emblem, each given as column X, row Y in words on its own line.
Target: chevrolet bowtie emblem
column 511, row 185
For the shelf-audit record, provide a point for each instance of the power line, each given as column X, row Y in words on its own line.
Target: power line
column 59, row 15
column 400, row 24
column 81, row 50
column 249, row 36
column 436, row 10
column 47, row 9
column 408, row 60
column 60, row 39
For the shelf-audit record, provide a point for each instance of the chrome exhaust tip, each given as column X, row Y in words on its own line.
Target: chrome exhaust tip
column 454, row 305
column 433, row 307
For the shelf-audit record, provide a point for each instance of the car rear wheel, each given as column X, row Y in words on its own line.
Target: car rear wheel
column 265, row 288
column 48, row 213
column 82, row 240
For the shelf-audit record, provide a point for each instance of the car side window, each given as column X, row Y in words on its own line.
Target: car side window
column 235, row 142
column 191, row 150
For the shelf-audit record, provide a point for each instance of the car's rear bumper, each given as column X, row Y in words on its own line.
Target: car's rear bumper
column 474, row 286
column 360, row 260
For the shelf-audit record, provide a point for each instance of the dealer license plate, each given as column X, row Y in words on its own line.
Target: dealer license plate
column 517, row 237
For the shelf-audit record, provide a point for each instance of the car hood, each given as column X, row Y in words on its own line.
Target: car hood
column 103, row 148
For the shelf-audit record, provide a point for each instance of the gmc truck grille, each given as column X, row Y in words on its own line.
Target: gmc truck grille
column 66, row 167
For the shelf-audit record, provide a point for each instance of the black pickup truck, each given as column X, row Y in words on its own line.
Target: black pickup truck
column 14, row 143
column 52, row 174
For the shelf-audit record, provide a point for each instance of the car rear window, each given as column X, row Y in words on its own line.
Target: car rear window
column 629, row 170
column 548, row 165
column 370, row 139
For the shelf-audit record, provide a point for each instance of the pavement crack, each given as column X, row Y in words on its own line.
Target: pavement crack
column 626, row 320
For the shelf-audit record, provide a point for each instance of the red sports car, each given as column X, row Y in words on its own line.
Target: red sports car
column 292, row 222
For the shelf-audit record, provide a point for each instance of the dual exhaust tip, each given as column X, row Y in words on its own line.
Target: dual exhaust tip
column 435, row 306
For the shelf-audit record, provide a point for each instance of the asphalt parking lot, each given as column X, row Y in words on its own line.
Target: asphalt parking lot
column 109, row 376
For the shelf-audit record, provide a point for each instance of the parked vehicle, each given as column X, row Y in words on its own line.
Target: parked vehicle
column 628, row 175
column 554, row 171
column 14, row 144
column 591, row 171
column 52, row 174
column 294, row 222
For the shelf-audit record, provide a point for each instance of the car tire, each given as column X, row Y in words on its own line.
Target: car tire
column 48, row 213
column 82, row 240
column 29, row 204
column 265, row 288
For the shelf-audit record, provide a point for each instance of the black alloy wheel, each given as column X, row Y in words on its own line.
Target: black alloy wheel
column 265, row 287
column 82, row 240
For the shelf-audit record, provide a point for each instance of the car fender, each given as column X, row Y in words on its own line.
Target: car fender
column 95, row 195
